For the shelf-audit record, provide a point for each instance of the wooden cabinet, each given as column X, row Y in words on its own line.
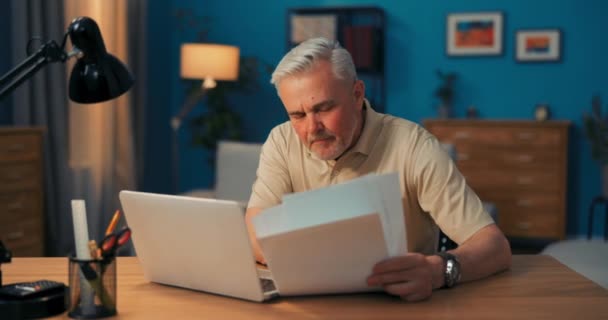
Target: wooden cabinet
column 21, row 197
column 521, row 166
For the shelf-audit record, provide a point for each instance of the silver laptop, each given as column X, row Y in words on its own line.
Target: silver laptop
column 195, row 243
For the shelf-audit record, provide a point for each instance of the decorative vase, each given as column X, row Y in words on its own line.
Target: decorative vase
column 605, row 181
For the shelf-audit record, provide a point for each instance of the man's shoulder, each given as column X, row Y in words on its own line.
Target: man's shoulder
column 283, row 131
column 282, row 138
column 403, row 128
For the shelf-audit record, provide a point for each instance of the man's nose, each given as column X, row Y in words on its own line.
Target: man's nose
column 314, row 122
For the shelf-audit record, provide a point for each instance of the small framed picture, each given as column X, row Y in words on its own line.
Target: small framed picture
column 474, row 34
column 306, row 26
column 542, row 45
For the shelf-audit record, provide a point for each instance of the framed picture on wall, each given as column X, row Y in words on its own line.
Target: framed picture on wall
column 308, row 26
column 541, row 45
column 475, row 34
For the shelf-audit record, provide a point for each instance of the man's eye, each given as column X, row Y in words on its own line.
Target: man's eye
column 297, row 115
column 327, row 107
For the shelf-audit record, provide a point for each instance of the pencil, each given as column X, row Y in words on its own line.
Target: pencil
column 113, row 222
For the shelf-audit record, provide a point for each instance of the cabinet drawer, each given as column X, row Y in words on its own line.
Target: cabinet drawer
column 19, row 147
column 509, row 181
column 505, row 136
column 508, row 157
column 516, row 201
column 16, row 206
column 23, row 237
column 19, row 176
column 531, row 223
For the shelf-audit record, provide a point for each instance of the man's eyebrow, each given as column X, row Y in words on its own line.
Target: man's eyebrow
column 322, row 104
column 315, row 107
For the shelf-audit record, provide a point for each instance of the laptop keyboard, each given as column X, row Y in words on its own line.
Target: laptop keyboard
column 267, row 285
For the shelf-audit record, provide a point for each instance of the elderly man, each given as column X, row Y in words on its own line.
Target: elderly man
column 334, row 135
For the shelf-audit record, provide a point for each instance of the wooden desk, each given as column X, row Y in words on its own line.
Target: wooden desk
column 536, row 287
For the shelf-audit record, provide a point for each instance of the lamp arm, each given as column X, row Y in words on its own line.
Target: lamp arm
column 49, row 52
column 190, row 103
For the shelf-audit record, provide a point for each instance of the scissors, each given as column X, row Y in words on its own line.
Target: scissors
column 113, row 241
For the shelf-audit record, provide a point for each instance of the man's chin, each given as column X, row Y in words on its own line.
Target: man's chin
column 325, row 154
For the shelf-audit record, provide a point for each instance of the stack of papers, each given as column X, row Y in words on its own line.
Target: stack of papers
column 328, row 240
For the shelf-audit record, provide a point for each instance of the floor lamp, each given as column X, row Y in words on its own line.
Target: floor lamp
column 209, row 62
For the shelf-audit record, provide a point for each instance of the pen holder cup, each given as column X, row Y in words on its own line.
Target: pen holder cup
column 92, row 288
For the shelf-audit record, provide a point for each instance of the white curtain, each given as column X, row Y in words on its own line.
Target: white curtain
column 101, row 135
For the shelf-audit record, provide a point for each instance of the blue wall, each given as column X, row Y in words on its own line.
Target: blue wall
column 499, row 87
column 161, row 78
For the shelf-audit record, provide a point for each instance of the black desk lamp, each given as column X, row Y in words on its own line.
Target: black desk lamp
column 97, row 76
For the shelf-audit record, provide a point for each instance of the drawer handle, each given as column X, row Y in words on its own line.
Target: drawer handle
column 526, row 135
column 524, row 203
column 524, row 180
column 463, row 156
column 16, row 147
column 462, row 135
column 15, row 206
column 525, row 158
column 13, row 176
column 524, row 225
column 15, row 235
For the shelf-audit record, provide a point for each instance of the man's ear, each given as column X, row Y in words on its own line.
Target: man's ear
column 359, row 91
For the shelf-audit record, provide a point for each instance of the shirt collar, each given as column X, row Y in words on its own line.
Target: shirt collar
column 371, row 130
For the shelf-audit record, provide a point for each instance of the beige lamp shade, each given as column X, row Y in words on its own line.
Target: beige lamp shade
column 214, row 61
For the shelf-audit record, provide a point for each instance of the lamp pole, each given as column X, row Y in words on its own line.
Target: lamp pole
column 176, row 123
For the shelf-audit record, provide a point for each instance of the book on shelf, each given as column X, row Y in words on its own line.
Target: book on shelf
column 362, row 43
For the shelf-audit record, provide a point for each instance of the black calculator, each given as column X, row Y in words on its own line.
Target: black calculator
column 25, row 290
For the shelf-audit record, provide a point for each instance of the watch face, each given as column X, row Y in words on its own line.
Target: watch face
column 452, row 273
column 452, row 269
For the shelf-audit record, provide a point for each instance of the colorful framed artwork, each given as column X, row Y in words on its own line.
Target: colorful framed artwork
column 474, row 33
column 541, row 45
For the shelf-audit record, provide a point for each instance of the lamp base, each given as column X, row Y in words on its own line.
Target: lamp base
column 49, row 304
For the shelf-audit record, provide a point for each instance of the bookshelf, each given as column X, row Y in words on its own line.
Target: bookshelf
column 358, row 29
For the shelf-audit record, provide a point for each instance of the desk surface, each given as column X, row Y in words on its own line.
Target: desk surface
column 536, row 287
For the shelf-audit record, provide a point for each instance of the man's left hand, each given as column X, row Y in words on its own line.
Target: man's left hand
column 410, row 277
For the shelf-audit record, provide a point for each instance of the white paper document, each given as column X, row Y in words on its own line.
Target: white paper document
column 328, row 240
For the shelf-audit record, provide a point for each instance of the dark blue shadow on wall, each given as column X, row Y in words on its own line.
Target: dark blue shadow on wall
column 573, row 195
column 6, row 112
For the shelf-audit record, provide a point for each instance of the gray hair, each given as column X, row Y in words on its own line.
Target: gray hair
column 303, row 58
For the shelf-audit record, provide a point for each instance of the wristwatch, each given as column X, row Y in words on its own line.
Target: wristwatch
column 451, row 270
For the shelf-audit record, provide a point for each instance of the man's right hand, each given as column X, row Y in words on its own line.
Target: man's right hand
column 257, row 251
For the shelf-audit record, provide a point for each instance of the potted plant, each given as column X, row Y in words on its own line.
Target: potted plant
column 596, row 130
column 220, row 121
column 445, row 93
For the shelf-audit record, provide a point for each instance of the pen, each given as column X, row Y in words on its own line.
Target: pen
column 113, row 222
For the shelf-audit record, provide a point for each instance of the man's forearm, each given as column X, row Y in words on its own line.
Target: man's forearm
column 485, row 253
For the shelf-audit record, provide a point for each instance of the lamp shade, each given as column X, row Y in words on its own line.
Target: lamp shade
column 201, row 61
column 97, row 75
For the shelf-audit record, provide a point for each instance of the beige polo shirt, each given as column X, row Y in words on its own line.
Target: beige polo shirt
column 434, row 192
